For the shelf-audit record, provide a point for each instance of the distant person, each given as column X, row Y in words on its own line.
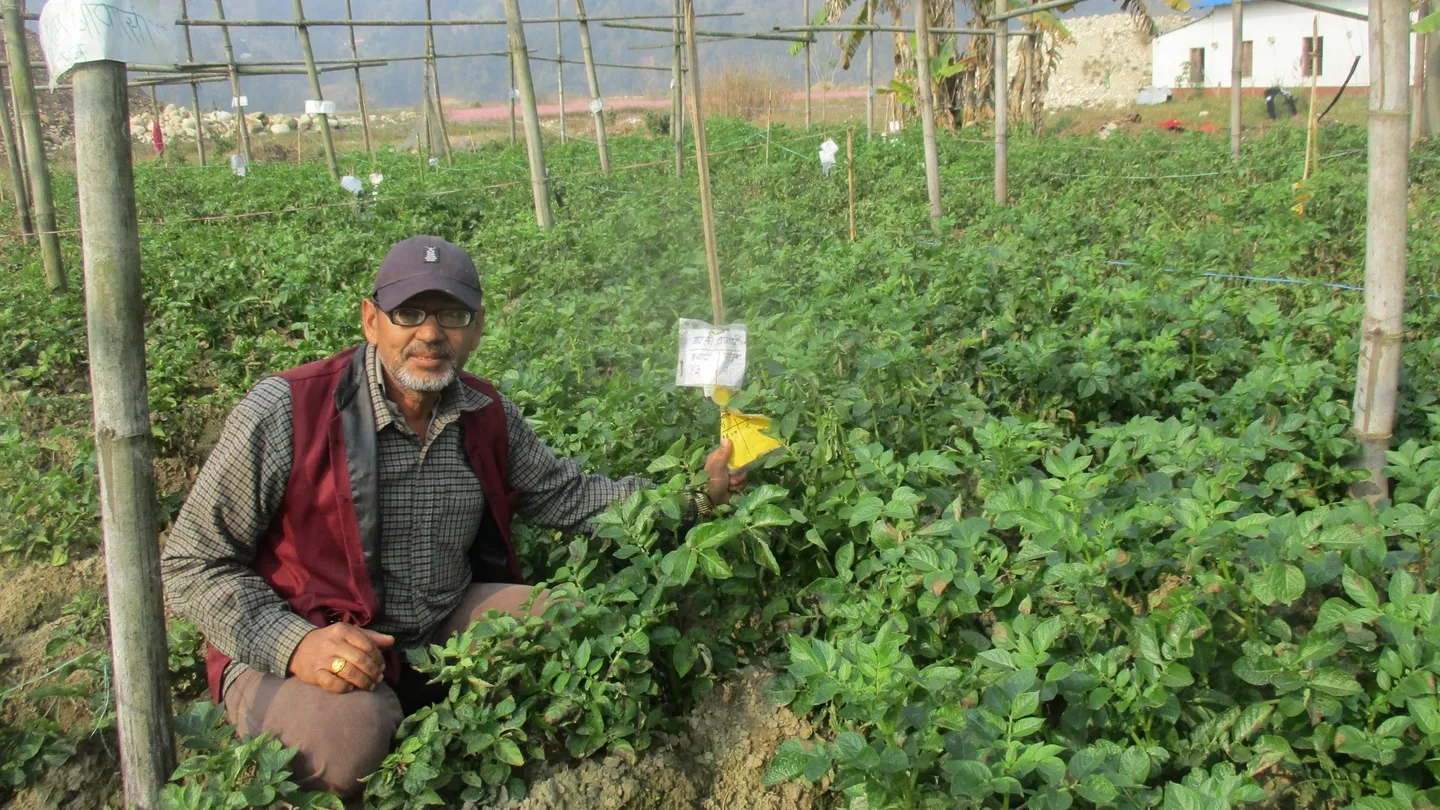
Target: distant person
column 361, row 505
column 1273, row 93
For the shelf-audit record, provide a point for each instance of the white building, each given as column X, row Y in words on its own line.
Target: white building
column 1275, row 50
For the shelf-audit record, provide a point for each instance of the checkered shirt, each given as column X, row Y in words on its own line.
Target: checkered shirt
column 431, row 506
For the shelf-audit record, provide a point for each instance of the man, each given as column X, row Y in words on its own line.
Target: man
column 360, row 505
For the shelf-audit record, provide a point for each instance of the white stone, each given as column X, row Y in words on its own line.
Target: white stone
column 279, row 129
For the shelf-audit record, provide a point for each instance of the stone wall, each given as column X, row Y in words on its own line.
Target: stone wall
column 1108, row 61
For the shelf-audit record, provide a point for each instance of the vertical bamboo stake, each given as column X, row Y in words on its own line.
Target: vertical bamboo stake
column 1237, row 37
column 437, row 113
column 1417, row 82
column 925, row 102
column 241, row 125
column 1032, row 76
column 315, row 91
column 17, row 174
column 435, row 82
column 194, row 89
column 22, row 84
column 677, row 95
column 869, row 76
column 767, row 141
column 360, row 87
column 426, row 125
column 598, row 109
column 702, row 169
column 114, row 310
column 512, row 91
column 19, row 139
column 534, row 148
column 1377, row 379
column 1002, row 108
column 807, row 67
column 1312, row 135
column 1431, row 92
column 850, row 170
column 560, row 70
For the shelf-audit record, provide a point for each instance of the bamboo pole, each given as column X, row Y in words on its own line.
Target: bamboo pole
column 850, row 171
column 1378, row 376
column 807, row 69
column 534, row 148
column 677, row 96
column 597, row 105
column 19, row 134
column 560, row 70
column 435, row 83
column 925, row 102
column 870, row 76
column 241, row 125
column 1417, row 81
column 426, row 125
column 890, row 29
column 303, row 29
column 412, row 23
column 1431, row 93
column 512, row 92
column 702, row 169
column 1311, row 128
column 1237, row 37
column 360, row 87
column 29, row 117
column 114, row 309
column 17, row 174
column 194, row 89
column 1002, row 106
column 164, row 155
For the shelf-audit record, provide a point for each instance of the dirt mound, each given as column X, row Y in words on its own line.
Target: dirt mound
column 715, row 764
column 33, row 594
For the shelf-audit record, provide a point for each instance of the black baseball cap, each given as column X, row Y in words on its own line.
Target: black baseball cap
column 424, row 264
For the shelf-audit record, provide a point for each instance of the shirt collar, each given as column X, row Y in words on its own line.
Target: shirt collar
column 454, row 400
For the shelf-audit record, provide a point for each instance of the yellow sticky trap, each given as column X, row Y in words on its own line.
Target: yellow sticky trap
column 746, row 433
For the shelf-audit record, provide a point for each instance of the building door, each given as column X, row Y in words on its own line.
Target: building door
column 1197, row 67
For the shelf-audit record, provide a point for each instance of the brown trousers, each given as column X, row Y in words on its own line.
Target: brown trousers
column 343, row 738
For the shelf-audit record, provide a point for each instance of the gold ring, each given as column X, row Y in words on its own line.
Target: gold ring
column 338, row 665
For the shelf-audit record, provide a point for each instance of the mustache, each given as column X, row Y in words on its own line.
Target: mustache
column 438, row 350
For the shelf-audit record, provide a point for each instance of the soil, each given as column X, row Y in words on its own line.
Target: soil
column 33, row 594
column 714, row 764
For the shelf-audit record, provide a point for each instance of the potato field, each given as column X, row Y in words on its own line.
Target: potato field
column 1062, row 518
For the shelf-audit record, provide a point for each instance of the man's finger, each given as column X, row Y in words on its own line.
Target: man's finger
column 360, row 640
column 332, row 683
column 368, row 663
column 380, row 640
column 354, row 671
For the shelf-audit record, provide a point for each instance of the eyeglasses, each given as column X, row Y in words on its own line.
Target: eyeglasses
column 411, row 317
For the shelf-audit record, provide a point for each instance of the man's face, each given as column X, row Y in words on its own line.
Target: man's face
column 422, row 358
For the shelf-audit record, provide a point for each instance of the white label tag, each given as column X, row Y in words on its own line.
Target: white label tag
column 596, row 106
column 239, row 101
column 672, row 84
column 237, row 165
column 894, row 126
column 515, row 92
column 76, row 31
column 870, row 91
column 313, row 107
column 711, row 355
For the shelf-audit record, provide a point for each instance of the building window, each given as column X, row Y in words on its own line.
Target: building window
column 1197, row 67
column 1312, row 56
column 1247, row 59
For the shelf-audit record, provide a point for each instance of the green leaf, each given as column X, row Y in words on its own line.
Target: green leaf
column 804, row 662
column 1360, row 590
column 710, row 535
column 847, row 745
column 509, row 753
column 1428, row 24
column 868, row 509
column 714, row 567
column 582, row 655
column 1335, row 682
column 789, row 762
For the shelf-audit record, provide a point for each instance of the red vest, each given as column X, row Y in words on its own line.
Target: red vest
column 322, row 552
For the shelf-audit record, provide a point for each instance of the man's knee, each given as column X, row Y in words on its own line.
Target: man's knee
column 341, row 738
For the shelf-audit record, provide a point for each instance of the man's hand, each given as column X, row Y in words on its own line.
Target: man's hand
column 314, row 661
column 722, row 483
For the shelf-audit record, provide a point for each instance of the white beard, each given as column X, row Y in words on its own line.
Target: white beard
column 416, row 383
